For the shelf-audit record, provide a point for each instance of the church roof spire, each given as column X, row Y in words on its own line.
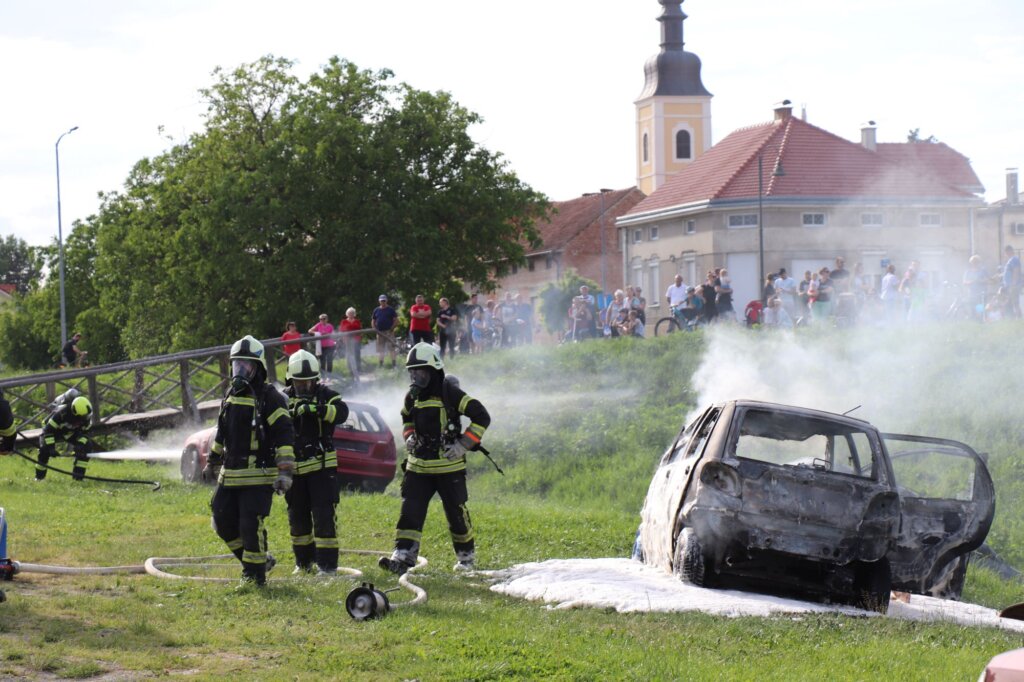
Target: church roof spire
column 673, row 71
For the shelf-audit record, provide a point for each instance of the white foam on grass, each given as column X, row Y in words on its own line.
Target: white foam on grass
column 630, row 586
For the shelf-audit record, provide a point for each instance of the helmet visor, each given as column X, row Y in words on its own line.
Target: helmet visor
column 420, row 376
column 243, row 368
column 304, row 386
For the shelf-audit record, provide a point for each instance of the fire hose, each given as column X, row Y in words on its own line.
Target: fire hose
column 157, row 567
column 155, row 484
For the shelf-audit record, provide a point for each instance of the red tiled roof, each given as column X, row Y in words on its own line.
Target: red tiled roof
column 8, row 288
column 570, row 218
column 816, row 163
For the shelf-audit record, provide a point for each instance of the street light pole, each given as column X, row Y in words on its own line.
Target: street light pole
column 60, row 246
column 778, row 172
column 760, row 228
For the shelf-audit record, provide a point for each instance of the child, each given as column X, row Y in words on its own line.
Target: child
column 477, row 332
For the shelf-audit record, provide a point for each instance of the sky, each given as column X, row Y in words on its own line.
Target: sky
column 555, row 82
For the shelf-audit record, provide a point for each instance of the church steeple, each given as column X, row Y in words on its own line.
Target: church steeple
column 674, row 108
column 673, row 71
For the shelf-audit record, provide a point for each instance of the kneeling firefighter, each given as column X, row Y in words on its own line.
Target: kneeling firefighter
column 251, row 457
column 313, row 498
column 436, row 461
column 69, row 421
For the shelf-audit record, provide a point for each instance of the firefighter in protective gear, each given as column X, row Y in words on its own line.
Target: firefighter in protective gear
column 252, row 457
column 69, row 421
column 313, row 498
column 7, row 428
column 436, row 459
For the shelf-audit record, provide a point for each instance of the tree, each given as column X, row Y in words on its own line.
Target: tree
column 302, row 197
column 915, row 136
column 556, row 299
column 19, row 264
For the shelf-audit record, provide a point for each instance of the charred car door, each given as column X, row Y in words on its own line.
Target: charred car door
column 814, row 487
column 947, row 502
column 669, row 484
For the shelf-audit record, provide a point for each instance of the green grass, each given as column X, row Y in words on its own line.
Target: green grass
column 579, row 431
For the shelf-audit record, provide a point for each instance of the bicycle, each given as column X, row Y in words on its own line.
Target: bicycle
column 671, row 324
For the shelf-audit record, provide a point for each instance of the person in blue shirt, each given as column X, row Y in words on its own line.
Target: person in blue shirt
column 383, row 321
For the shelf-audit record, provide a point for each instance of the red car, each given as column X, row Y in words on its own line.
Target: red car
column 365, row 446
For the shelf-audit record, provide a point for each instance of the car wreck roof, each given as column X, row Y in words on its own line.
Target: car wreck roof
column 808, row 411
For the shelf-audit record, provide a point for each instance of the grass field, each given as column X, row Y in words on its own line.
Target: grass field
column 578, row 431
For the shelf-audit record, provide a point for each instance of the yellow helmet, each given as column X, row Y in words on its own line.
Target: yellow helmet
column 81, row 407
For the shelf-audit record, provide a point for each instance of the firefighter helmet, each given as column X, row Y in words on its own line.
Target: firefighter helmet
column 81, row 407
column 248, row 348
column 424, row 355
column 303, row 365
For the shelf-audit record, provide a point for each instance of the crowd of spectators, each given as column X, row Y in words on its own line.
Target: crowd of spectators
column 464, row 328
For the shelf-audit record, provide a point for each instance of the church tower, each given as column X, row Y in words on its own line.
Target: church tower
column 673, row 113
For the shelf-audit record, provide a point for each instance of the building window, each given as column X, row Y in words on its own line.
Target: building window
column 813, row 219
column 743, row 220
column 871, row 219
column 654, row 232
column 691, row 227
column 654, row 277
column 644, row 148
column 638, row 275
column 530, row 265
column 930, row 220
column 683, row 144
column 515, row 269
column 547, row 262
column 690, row 267
column 638, row 235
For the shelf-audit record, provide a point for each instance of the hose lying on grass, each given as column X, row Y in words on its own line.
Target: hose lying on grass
column 156, row 566
column 155, row 484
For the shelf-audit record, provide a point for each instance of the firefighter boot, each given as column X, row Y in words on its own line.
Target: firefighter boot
column 327, row 560
column 78, row 473
column 253, row 574
column 303, row 559
column 466, row 561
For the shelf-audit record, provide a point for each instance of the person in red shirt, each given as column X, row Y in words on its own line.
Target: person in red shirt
column 353, row 342
column 419, row 322
column 290, row 332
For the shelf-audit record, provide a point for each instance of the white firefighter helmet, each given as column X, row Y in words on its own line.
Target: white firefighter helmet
column 248, row 348
column 303, row 365
column 424, row 355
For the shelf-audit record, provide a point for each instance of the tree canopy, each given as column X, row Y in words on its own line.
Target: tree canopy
column 298, row 197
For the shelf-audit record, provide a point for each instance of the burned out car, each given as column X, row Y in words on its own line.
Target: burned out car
column 815, row 504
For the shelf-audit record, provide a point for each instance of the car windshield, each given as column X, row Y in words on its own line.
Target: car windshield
column 361, row 419
column 798, row 440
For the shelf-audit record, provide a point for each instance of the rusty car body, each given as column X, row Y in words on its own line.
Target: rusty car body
column 814, row 503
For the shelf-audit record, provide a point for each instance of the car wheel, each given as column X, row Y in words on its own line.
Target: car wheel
column 190, row 472
column 690, row 565
column 873, row 585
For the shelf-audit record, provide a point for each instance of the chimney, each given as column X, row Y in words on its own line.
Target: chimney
column 783, row 110
column 867, row 135
column 1012, row 191
column 803, row 113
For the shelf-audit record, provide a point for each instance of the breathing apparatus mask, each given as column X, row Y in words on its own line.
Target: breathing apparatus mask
column 304, row 387
column 243, row 374
column 420, row 377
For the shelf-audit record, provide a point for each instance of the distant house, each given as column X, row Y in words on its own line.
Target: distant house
column 7, row 293
column 580, row 236
column 819, row 195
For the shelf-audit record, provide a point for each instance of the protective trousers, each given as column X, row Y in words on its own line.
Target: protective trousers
column 417, row 491
column 238, row 516
column 312, row 502
column 77, row 470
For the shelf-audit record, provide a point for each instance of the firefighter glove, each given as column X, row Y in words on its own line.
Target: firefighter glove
column 283, row 483
column 305, row 408
column 457, row 449
column 211, row 472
